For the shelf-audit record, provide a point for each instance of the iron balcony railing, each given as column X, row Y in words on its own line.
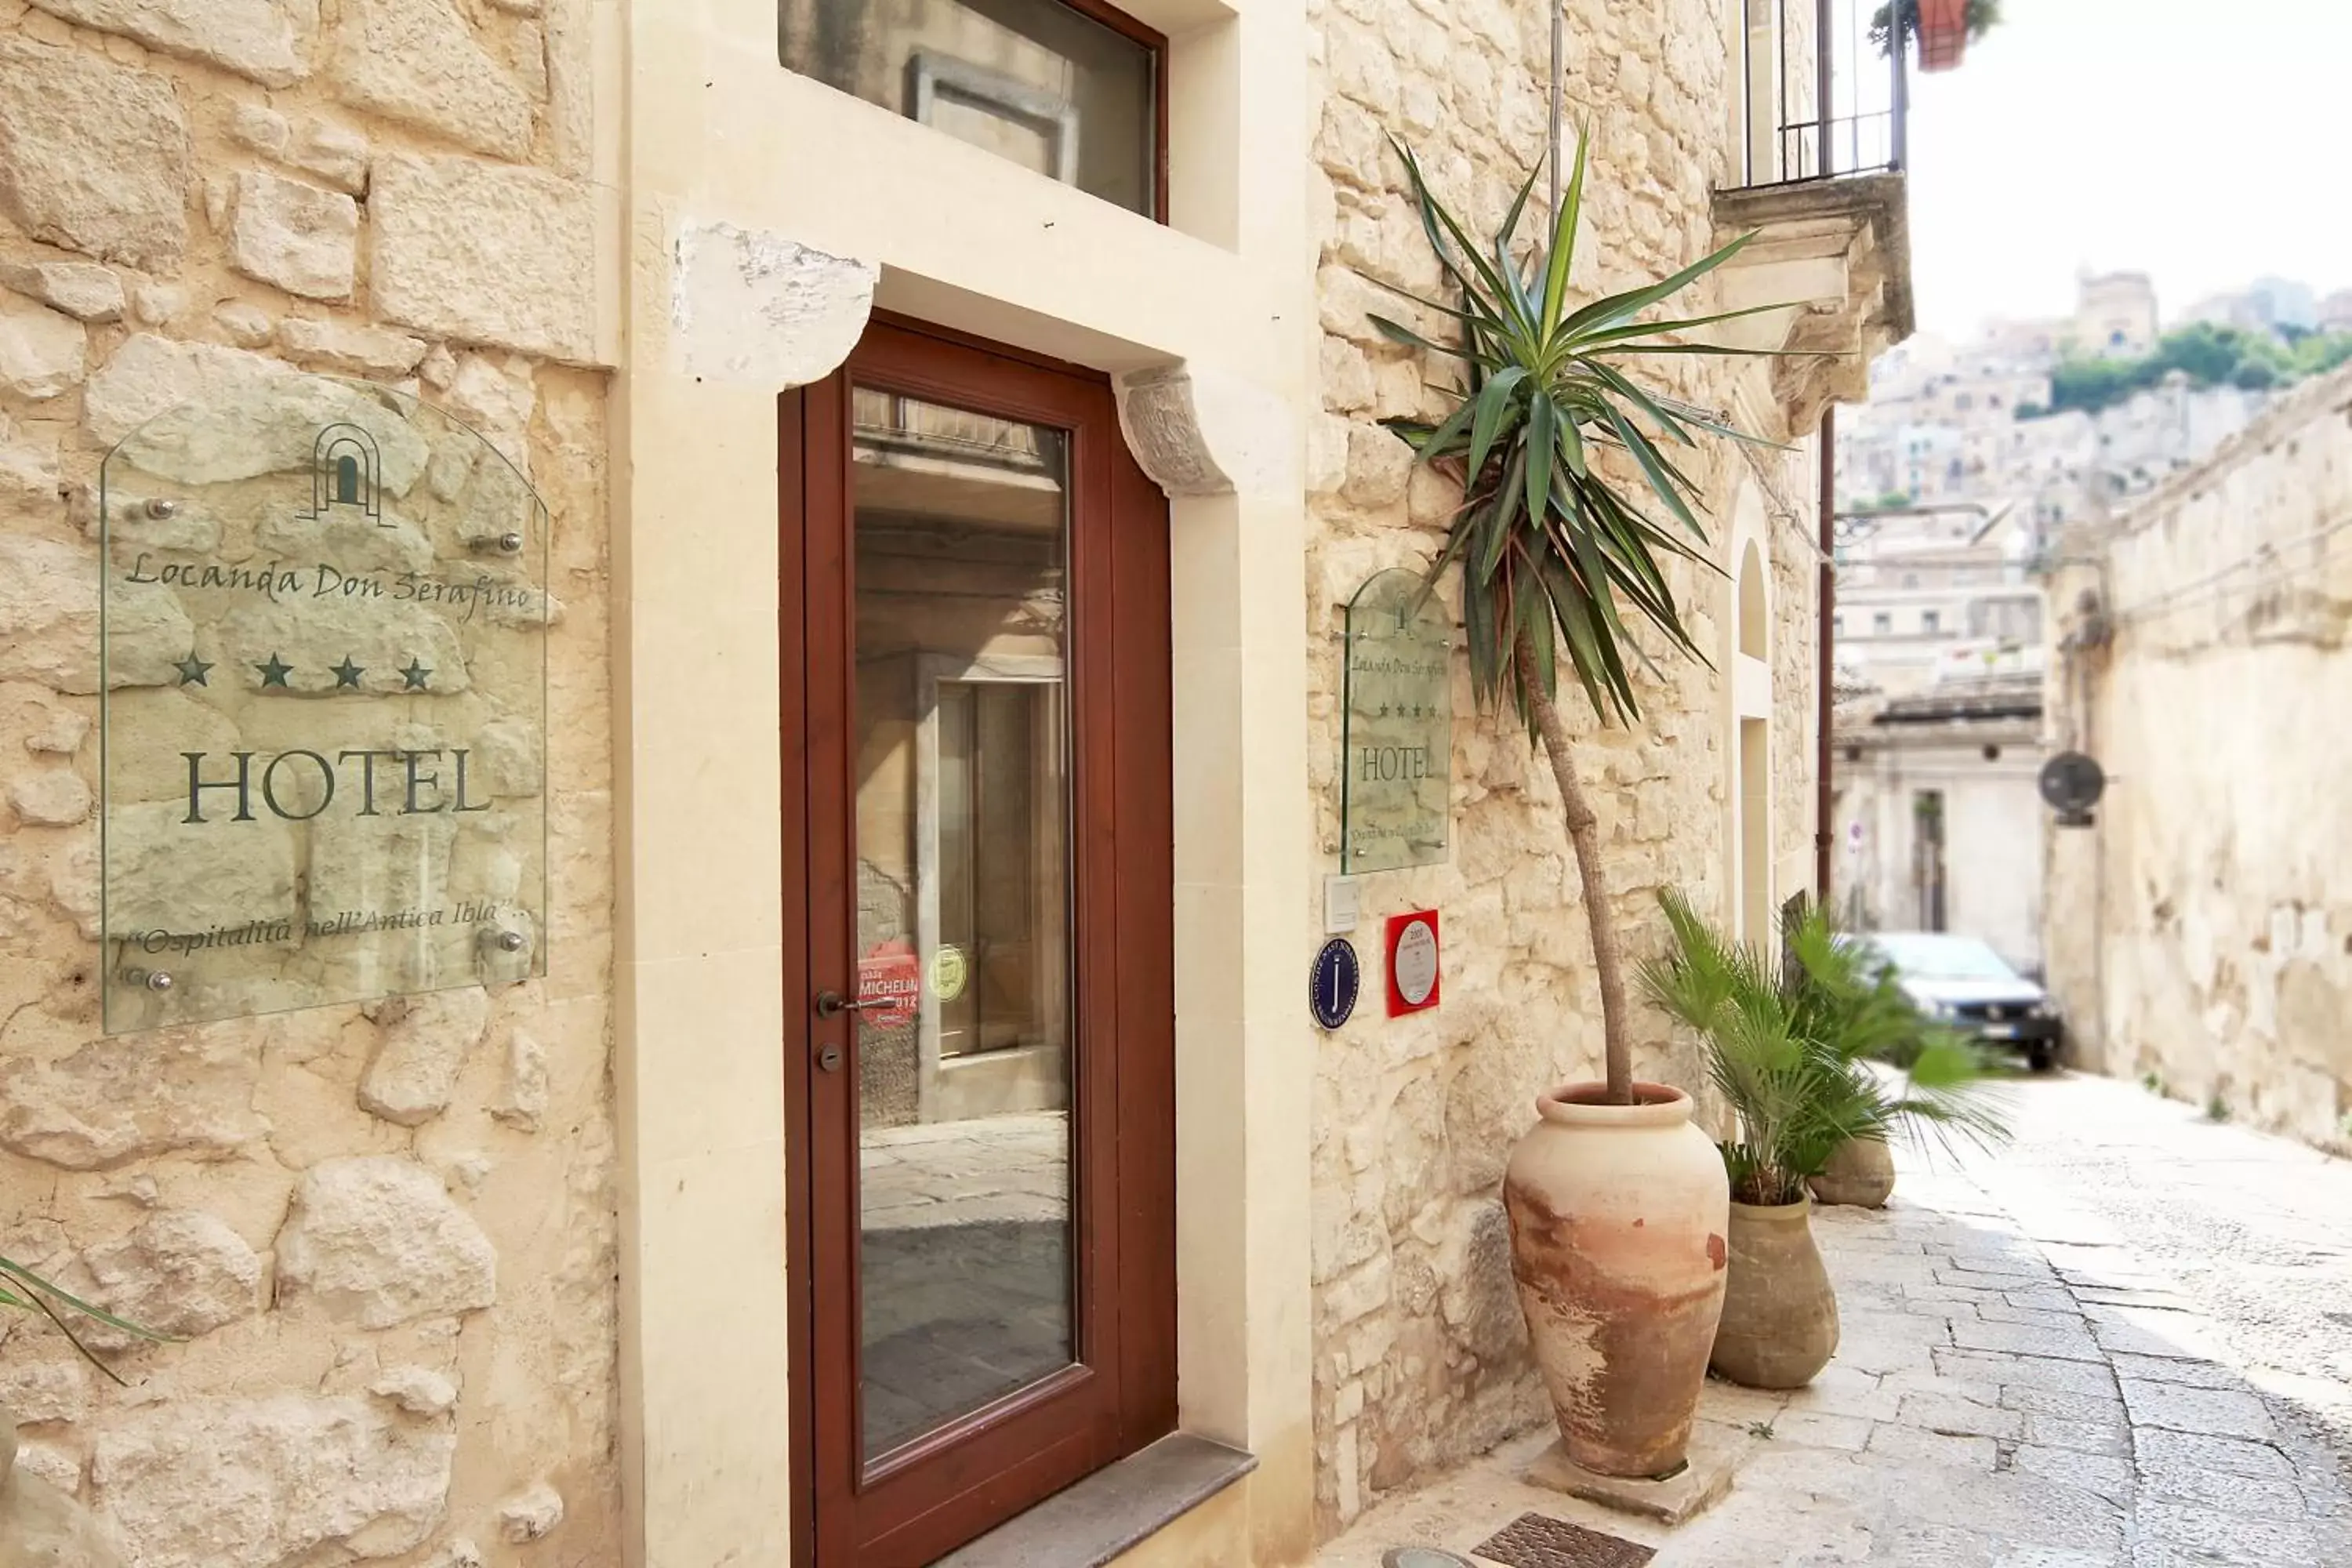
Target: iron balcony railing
column 1819, row 102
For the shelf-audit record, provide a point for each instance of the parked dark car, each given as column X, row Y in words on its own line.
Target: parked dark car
column 1961, row 984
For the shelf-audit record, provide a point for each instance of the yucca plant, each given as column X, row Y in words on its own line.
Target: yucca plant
column 1791, row 1039
column 1571, row 499
column 23, row 1290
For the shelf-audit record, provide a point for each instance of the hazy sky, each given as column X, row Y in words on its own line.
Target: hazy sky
column 2203, row 142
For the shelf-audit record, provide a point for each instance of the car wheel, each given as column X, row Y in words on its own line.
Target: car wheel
column 2040, row 1059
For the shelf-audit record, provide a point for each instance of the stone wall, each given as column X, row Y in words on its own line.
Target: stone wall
column 1420, row 1349
column 2201, row 934
column 384, row 1233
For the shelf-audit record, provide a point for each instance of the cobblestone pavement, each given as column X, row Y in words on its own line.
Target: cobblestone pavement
column 983, row 1169
column 2124, row 1341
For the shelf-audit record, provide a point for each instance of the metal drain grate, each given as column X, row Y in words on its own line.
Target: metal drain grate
column 1532, row 1540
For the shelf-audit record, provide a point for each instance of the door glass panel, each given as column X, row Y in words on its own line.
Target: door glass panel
column 962, row 867
column 1032, row 80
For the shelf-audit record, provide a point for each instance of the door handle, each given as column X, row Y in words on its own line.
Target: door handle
column 833, row 1004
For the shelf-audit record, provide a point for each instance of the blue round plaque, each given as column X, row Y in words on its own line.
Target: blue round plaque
column 1332, row 990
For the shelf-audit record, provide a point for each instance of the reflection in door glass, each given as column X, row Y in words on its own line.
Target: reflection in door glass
column 962, row 906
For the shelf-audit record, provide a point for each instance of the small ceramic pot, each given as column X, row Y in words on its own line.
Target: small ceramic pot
column 1861, row 1173
column 1779, row 1324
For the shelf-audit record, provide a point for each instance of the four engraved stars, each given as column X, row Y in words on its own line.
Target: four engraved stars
column 193, row 672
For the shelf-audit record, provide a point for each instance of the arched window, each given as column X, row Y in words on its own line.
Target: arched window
column 1751, row 602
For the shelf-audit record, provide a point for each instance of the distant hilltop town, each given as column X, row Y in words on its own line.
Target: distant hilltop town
column 1952, row 484
column 2062, row 419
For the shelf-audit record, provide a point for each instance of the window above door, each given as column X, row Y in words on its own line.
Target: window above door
column 1073, row 90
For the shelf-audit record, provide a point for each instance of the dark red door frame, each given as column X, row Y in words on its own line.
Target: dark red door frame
column 952, row 1485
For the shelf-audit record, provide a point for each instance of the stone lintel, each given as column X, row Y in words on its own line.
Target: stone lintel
column 1198, row 432
column 1866, row 736
column 757, row 308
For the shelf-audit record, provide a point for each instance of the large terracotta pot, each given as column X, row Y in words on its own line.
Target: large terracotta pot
column 1617, row 1222
column 1780, row 1316
column 1861, row 1173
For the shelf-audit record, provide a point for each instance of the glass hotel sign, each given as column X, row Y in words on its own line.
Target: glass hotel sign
column 1396, row 781
column 324, row 706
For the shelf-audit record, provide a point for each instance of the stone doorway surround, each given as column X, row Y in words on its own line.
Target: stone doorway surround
column 755, row 271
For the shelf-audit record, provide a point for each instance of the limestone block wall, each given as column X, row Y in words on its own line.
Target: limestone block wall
column 383, row 1233
column 2201, row 932
column 1420, row 1357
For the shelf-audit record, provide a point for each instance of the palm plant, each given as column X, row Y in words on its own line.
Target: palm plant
column 1562, row 457
column 1791, row 1047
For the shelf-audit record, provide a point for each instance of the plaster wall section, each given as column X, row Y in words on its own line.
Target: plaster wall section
column 2200, row 935
column 1993, row 834
column 398, row 1321
column 756, row 273
column 1419, row 1354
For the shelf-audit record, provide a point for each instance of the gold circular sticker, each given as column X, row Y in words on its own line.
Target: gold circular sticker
column 949, row 972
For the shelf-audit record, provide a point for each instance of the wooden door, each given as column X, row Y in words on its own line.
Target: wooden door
column 980, row 1011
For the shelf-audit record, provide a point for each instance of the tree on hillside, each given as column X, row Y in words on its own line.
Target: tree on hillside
column 2319, row 352
column 2209, row 355
column 2208, row 352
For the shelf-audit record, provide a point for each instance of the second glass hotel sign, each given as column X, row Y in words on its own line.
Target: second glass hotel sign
column 1396, row 782
column 323, row 668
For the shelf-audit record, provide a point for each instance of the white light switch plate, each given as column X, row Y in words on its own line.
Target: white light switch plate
column 1342, row 906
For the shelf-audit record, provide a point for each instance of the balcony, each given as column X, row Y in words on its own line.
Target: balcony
column 1823, row 117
